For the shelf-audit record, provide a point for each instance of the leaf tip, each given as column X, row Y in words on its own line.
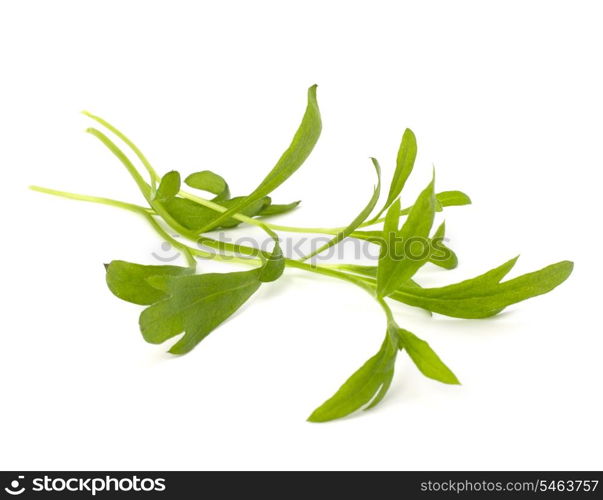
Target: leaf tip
column 317, row 417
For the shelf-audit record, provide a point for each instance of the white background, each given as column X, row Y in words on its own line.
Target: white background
column 505, row 99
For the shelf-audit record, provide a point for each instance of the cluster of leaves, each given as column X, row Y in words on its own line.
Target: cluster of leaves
column 178, row 300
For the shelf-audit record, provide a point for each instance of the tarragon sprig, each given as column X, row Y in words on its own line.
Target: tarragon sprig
column 179, row 300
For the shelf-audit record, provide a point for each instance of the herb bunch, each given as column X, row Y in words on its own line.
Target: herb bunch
column 179, row 300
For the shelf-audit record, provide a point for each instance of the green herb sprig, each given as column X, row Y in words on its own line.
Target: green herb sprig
column 179, row 300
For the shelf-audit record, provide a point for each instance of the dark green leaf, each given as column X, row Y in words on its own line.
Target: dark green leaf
column 484, row 296
column 359, row 219
column 129, row 281
column 397, row 263
column 301, row 146
column 196, row 305
column 370, row 381
column 209, row 181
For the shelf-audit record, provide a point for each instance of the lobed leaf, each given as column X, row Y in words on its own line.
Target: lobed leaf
column 484, row 296
column 130, row 282
column 196, row 305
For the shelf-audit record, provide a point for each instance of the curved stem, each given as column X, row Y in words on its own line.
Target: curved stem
column 155, row 177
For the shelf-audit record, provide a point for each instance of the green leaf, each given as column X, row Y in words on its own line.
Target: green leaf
column 424, row 357
column 453, row 198
column 397, row 264
column 130, row 281
column 275, row 209
column 405, row 160
column 274, row 266
column 407, row 152
column 169, row 186
column 441, row 255
column 196, row 305
column 206, row 180
column 301, row 146
column 251, row 210
column 484, row 296
column 193, row 216
column 359, row 219
column 367, row 384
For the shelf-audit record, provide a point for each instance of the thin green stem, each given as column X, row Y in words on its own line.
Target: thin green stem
column 142, row 185
column 148, row 215
column 155, row 177
column 185, row 249
column 92, row 199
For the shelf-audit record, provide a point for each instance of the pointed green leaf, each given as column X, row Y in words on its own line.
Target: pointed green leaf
column 360, row 389
column 467, row 288
column 405, row 160
column 274, row 266
column 303, row 142
column 397, row 263
column 441, row 255
column 425, row 358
